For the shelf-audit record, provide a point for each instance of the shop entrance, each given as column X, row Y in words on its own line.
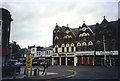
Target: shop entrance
column 70, row 60
column 56, row 61
column 62, row 60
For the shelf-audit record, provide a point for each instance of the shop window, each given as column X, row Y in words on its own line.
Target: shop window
column 78, row 48
column 67, row 49
column 72, row 49
column 63, row 49
column 56, row 50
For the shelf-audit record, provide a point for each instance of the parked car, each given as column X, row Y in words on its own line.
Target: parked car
column 42, row 63
column 18, row 63
column 8, row 69
column 35, row 63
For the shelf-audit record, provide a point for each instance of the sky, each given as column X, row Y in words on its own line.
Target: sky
column 34, row 20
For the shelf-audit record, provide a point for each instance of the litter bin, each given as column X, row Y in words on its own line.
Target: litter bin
column 35, row 72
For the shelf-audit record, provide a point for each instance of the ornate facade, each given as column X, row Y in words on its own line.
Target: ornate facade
column 85, row 45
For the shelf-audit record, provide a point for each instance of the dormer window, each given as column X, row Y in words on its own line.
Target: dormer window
column 67, row 31
column 84, row 29
column 84, row 44
column 56, row 37
column 90, row 43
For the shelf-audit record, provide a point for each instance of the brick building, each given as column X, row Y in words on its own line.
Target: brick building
column 86, row 45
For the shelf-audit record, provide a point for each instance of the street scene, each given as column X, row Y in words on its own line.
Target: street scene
column 70, row 72
column 59, row 40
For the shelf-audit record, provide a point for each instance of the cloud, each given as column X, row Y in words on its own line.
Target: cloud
column 34, row 20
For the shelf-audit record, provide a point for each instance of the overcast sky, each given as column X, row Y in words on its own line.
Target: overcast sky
column 34, row 20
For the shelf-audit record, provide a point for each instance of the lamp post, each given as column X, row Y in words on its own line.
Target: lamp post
column 11, row 51
column 104, row 50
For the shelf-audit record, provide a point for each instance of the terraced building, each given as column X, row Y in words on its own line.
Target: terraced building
column 86, row 45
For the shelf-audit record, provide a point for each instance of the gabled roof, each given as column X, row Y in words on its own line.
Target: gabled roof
column 92, row 28
column 104, row 21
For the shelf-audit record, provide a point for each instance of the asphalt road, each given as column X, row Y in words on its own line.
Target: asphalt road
column 83, row 73
column 94, row 72
column 88, row 72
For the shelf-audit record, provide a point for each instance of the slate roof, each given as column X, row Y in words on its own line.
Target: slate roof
column 111, row 24
column 47, row 48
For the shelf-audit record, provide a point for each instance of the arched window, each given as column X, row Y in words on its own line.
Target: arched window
column 84, row 34
column 88, row 34
column 56, row 50
column 72, row 49
column 67, row 36
column 56, row 37
column 63, row 46
column 90, row 43
column 84, row 44
column 80, row 35
column 56, row 46
column 67, row 45
column 72, row 44
column 78, row 48
column 78, row 44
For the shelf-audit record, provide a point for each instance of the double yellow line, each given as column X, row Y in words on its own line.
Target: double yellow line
column 74, row 73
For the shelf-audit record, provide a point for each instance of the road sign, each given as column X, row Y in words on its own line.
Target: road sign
column 28, row 65
column 28, row 61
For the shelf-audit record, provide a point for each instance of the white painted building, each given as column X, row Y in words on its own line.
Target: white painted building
column 40, row 53
column 45, row 52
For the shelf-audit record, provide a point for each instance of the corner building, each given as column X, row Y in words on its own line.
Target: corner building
column 85, row 45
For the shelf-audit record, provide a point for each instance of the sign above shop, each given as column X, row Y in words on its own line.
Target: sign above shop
column 107, row 52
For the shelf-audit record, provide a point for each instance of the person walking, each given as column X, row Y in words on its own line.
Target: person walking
column 45, row 68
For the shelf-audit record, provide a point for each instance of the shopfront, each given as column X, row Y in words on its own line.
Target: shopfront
column 85, row 58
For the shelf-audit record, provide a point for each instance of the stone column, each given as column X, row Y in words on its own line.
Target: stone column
column 110, row 61
column 60, row 61
column 52, row 60
column 75, row 61
column 82, row 60
column 66, row 60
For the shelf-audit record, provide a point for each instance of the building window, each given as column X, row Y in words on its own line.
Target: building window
column 33, row 50
column 56, row 50
column 56, row 37
column 90, row 43
column 78, row 48
column 46, row 52
column 78, row 44
column 84, row 44
column 67, row 49
column 72, row 49
column 63, row 49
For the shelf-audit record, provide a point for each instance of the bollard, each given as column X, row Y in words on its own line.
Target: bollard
column 35, row 72
column 30, row 71
column 27, row 72
column 38, row 72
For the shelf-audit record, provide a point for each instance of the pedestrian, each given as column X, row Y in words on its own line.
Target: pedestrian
column 45, row 68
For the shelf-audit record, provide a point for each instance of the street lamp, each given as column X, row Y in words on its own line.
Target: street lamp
column 104, row 50
column 11, row 51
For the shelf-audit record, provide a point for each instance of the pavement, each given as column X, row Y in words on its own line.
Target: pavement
column 53, row 73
